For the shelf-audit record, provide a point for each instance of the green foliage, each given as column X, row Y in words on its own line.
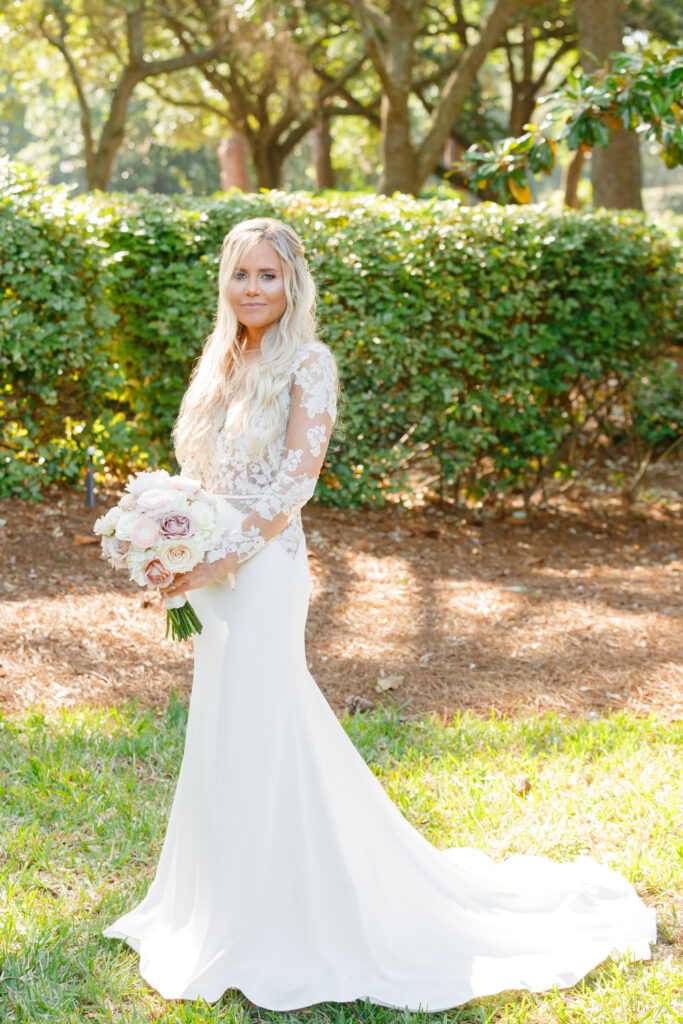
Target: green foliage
column 483, row 346
column 641, row 90
column 657, row 406
column 59, row 384
column 85, row 796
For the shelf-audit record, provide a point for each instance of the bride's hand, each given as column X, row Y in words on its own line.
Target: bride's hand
column 203, row 574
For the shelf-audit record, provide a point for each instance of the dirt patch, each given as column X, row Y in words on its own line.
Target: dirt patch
column 577, row 608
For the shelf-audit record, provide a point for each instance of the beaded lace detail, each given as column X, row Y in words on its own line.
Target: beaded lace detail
column 273, row 489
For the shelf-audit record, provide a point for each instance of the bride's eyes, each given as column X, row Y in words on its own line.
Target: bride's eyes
column 240, row 273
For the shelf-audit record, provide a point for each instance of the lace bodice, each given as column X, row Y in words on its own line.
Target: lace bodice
column 271, row 490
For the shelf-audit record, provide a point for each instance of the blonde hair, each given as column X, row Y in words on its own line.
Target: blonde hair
column 222, row 383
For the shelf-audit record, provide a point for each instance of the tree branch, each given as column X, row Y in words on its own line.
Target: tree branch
column 59, row 42
column 457, row 86
column 565, row 47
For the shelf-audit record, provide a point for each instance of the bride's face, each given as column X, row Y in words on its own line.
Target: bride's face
column 256, row 291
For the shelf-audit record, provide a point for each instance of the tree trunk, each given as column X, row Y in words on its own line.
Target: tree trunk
column 398, row 156
column 322, row 153
column 523, row 92
column 113, row 133
column 572, row 178
column 268, row 163
column 233, row 158
column 615, row 169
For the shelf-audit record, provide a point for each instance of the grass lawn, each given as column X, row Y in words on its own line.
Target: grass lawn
column 85, row 794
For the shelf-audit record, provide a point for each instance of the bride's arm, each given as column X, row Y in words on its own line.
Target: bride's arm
column 312, row 414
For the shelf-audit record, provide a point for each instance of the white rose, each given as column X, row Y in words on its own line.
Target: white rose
column 106, row 524
column 204, row 516
column 125, row 524
column 177, row 502
column 136, row 561
column 179, row 555
column 155, row 499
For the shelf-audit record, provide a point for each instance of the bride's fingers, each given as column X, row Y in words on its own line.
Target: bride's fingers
column 182, row 581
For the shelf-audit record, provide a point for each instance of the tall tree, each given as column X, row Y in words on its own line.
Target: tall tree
column 281, row 77
column 615, row 169
column 534, row 45
column 81, row 30
column 391, row 36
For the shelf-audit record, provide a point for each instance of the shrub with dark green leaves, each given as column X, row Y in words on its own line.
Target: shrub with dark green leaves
column 486, row 348
column 656, row 406
column 59, row 382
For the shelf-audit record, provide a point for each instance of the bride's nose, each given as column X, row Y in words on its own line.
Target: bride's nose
column 252, row 287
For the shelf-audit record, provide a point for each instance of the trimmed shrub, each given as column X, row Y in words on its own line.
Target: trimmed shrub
column 56, row 345
column 483, row 347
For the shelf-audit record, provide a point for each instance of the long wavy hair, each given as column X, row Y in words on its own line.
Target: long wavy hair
column 246, row 394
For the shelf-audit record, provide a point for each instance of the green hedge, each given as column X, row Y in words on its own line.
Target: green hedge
column 485, row 347
column 56, row 336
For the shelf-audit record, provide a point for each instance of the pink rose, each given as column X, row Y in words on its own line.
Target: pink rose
column 156, row 574
column 176, row 524
column 115, row 550
column 144, row 533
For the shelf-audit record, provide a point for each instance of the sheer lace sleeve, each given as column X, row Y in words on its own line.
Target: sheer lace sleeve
column 313, row 409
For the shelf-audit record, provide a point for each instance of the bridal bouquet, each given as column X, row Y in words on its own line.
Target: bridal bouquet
column 163, row 525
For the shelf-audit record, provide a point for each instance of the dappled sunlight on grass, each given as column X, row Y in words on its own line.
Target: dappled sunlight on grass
column 85, row 797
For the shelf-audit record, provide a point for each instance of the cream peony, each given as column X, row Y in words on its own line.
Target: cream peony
column 186, row 483
column 146, row 479
column 177, row 502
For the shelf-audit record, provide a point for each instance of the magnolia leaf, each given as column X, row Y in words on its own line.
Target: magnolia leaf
column 521, row 192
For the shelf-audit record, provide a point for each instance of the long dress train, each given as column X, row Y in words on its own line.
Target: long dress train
column 287, row 871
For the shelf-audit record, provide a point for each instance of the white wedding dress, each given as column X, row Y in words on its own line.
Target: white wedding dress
column 286, row 870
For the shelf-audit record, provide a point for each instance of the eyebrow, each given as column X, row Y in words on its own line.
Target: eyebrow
column 261, row 269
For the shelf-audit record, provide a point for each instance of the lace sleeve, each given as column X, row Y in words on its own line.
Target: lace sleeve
column 313, row 410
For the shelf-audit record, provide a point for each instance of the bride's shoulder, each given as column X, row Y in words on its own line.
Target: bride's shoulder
column 312, row 352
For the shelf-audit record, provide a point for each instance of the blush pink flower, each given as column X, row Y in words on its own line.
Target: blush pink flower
column 156, row 574
column 116, row 550
column 153, row 500
column 176, row 524
column 144, row 533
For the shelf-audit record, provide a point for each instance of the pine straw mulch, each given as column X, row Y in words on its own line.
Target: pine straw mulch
column 574, row 608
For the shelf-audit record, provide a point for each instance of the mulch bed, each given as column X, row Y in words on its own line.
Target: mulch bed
column 575, row 608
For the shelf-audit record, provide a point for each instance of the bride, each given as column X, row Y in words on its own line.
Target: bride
column 286, row 870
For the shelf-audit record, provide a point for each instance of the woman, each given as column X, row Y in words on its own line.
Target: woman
column 286, row 870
